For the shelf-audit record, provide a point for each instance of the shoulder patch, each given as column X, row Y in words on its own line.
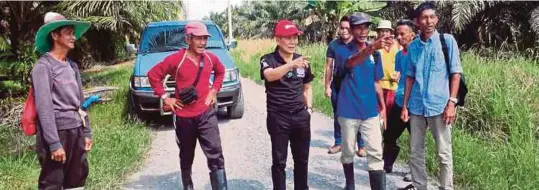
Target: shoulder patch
column 264, row 62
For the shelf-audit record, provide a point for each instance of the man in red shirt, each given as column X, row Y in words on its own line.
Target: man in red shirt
column 194, row 114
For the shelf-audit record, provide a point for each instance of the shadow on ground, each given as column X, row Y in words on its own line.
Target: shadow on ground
column 157, row 122
column 167, row 181
column 173, row 181
column 243, row 184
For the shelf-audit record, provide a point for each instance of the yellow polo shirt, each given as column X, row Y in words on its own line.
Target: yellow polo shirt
column 388, row 63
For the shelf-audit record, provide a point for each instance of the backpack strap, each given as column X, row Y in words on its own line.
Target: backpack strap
column 180, row 64
column 444, row 50
column 200, row 67
column 209, row 58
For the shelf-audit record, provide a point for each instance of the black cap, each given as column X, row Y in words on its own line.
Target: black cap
column 359, row 19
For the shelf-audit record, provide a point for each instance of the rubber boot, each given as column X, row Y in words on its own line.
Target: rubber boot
column 186, row 180
column 390, row 155
column 349, row 175
column 377, row 179
column 218, row 180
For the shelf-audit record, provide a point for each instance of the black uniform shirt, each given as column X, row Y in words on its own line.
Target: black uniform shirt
column 285, row 94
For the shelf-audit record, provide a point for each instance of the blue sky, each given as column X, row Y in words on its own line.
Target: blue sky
column 197, row 9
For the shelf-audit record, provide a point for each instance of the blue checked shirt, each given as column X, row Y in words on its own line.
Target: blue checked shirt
column 430, row 92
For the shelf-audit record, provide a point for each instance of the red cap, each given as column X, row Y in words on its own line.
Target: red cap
column 196, row 28
column 286, row 28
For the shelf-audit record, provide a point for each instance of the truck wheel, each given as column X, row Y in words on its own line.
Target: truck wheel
column 236, row 112
column 132, row 108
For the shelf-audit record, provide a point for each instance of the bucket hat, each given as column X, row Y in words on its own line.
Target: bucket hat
column 384, row 24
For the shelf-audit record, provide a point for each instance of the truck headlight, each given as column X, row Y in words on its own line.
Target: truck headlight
column 141, row 82
column 231, row 75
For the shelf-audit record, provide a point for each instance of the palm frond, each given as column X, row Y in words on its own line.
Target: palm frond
column 534, row 20
column 464, row 12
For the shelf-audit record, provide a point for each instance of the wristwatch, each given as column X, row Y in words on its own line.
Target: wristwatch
column 310, row 110
column 164, row 96
column 454, row 100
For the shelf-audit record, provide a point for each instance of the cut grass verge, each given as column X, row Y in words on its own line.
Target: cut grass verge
column 495, row 138
column 119, row 147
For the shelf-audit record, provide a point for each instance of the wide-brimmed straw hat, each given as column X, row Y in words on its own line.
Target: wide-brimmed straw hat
column 53, row 21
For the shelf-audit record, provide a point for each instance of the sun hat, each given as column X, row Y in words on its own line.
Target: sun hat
column 384, row 24
column 53, row 21
column 286, row 28
column 196, row 28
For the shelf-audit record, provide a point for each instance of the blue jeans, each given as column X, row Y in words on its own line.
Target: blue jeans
column 336, row 126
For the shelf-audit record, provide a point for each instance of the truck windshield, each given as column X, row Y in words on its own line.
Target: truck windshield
column 171, row 38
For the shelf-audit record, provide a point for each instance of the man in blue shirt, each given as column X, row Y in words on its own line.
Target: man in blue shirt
column 395, row 126
column 360, row 106
column 336, row 56
column 428, row 100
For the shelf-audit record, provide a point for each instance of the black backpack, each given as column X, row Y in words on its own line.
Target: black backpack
column 463, row 90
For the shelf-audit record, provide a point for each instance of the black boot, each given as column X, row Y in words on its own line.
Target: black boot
column 218, row 180
column 349, row 175
column 186, row 180
column 377, row 179
column 390, row 155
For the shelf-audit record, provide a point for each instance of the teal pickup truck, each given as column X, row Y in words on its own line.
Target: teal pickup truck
column 161, row 39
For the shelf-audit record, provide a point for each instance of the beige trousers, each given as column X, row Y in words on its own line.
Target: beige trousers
column 371, row 133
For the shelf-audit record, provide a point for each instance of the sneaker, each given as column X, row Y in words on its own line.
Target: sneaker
column 335, row 149
column 409, row 187
column 361, row 152
column 408, row 177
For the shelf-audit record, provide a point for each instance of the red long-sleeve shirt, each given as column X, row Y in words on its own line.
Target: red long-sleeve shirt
column 186, row 76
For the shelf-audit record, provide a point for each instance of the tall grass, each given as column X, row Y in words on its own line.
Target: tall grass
column 119, row 144
column 495, row 138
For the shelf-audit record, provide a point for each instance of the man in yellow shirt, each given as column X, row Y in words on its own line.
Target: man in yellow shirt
column 389, row 81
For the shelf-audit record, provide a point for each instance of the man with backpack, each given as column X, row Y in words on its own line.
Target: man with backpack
column 194, row 113
column 432, row 86
column 63, row 135
column 336, row 56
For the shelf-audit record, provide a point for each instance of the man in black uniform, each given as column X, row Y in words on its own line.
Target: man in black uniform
column 287, row 79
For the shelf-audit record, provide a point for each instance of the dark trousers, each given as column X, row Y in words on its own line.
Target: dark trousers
column 336, row 126
column 395, row 127
column 204, row 128
column 71, row 174
column 389, row 98
column 296, row 128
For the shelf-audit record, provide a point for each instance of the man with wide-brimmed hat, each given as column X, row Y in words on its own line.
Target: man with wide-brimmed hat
column 63, row 134
column 387, row 55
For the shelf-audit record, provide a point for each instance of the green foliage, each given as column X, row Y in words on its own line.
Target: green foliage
column 20, row 68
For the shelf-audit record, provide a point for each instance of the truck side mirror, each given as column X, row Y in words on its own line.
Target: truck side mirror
column 232, row 44
column 131, row 49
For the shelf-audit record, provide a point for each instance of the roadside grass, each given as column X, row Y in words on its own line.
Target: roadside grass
column 495, row 138
column 120, row 144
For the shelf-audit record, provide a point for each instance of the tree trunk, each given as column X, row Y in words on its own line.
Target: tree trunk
column 13, row 29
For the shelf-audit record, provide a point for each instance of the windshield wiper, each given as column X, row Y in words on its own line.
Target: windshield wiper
column 165, row 49
column 214, row 47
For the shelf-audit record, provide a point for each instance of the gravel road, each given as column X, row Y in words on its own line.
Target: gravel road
column 247, row 152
